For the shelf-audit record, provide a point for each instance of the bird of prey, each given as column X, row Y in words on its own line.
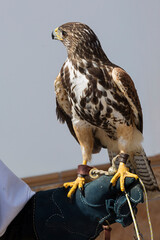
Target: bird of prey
column 99, row 102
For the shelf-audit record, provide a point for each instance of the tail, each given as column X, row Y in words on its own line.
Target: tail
column 143, row 169
column 139, row 164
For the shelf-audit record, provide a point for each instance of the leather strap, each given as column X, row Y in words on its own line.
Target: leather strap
column 107, row 232
column 83, row 170
column 123, row 157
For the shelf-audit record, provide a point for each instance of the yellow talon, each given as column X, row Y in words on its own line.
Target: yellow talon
column 122, row 173
column 79, row 182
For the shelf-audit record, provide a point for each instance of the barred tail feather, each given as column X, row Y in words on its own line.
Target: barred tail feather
column 144, row 171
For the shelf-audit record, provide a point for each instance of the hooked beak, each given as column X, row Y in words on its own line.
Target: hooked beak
column 55, row 35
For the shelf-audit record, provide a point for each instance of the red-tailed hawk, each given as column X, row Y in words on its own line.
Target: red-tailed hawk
column 98, row 101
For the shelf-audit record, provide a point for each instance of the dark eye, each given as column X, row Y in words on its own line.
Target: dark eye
column 64, row 33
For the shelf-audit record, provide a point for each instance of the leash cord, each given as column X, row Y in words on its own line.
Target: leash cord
column 133, row 217
column 147, row 209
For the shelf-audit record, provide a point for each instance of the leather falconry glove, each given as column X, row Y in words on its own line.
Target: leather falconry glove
column 83, row 216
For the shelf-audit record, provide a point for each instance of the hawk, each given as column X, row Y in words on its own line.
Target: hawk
column 99, row 102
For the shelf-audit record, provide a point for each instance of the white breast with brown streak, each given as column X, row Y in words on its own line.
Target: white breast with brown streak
column 78, row 81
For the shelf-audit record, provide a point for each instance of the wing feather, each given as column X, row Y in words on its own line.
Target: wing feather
column 63, row 117
column 126, row 86
column 63, row 108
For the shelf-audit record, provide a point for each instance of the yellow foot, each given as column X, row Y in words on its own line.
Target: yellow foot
column 79, row 182
column 122, row 173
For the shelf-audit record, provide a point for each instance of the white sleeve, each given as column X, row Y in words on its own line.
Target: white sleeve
column 14, row 194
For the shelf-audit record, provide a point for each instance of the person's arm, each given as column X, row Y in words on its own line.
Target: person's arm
column 50, row 214
column 14, row 194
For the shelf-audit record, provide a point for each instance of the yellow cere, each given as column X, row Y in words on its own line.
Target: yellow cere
column 56, row 30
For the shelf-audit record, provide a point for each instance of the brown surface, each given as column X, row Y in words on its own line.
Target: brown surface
column 53, row 180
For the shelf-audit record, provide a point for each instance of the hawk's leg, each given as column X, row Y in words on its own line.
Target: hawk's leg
column 122, row 172
column 85, row 138
column 125, row 142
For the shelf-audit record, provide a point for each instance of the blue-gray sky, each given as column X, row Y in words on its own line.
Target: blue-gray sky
column 32, row 142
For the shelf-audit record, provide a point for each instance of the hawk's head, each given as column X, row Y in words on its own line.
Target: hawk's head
column 79, row 40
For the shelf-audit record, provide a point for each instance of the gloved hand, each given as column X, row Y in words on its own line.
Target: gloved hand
column 58, row 217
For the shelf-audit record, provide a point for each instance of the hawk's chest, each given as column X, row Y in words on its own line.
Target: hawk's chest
column 75, row 83
column 93, row 100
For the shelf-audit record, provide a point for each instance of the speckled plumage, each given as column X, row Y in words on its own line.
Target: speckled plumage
column 93, row 93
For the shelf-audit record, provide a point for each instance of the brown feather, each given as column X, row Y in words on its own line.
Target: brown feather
column 126, row 85
column 63, row 117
